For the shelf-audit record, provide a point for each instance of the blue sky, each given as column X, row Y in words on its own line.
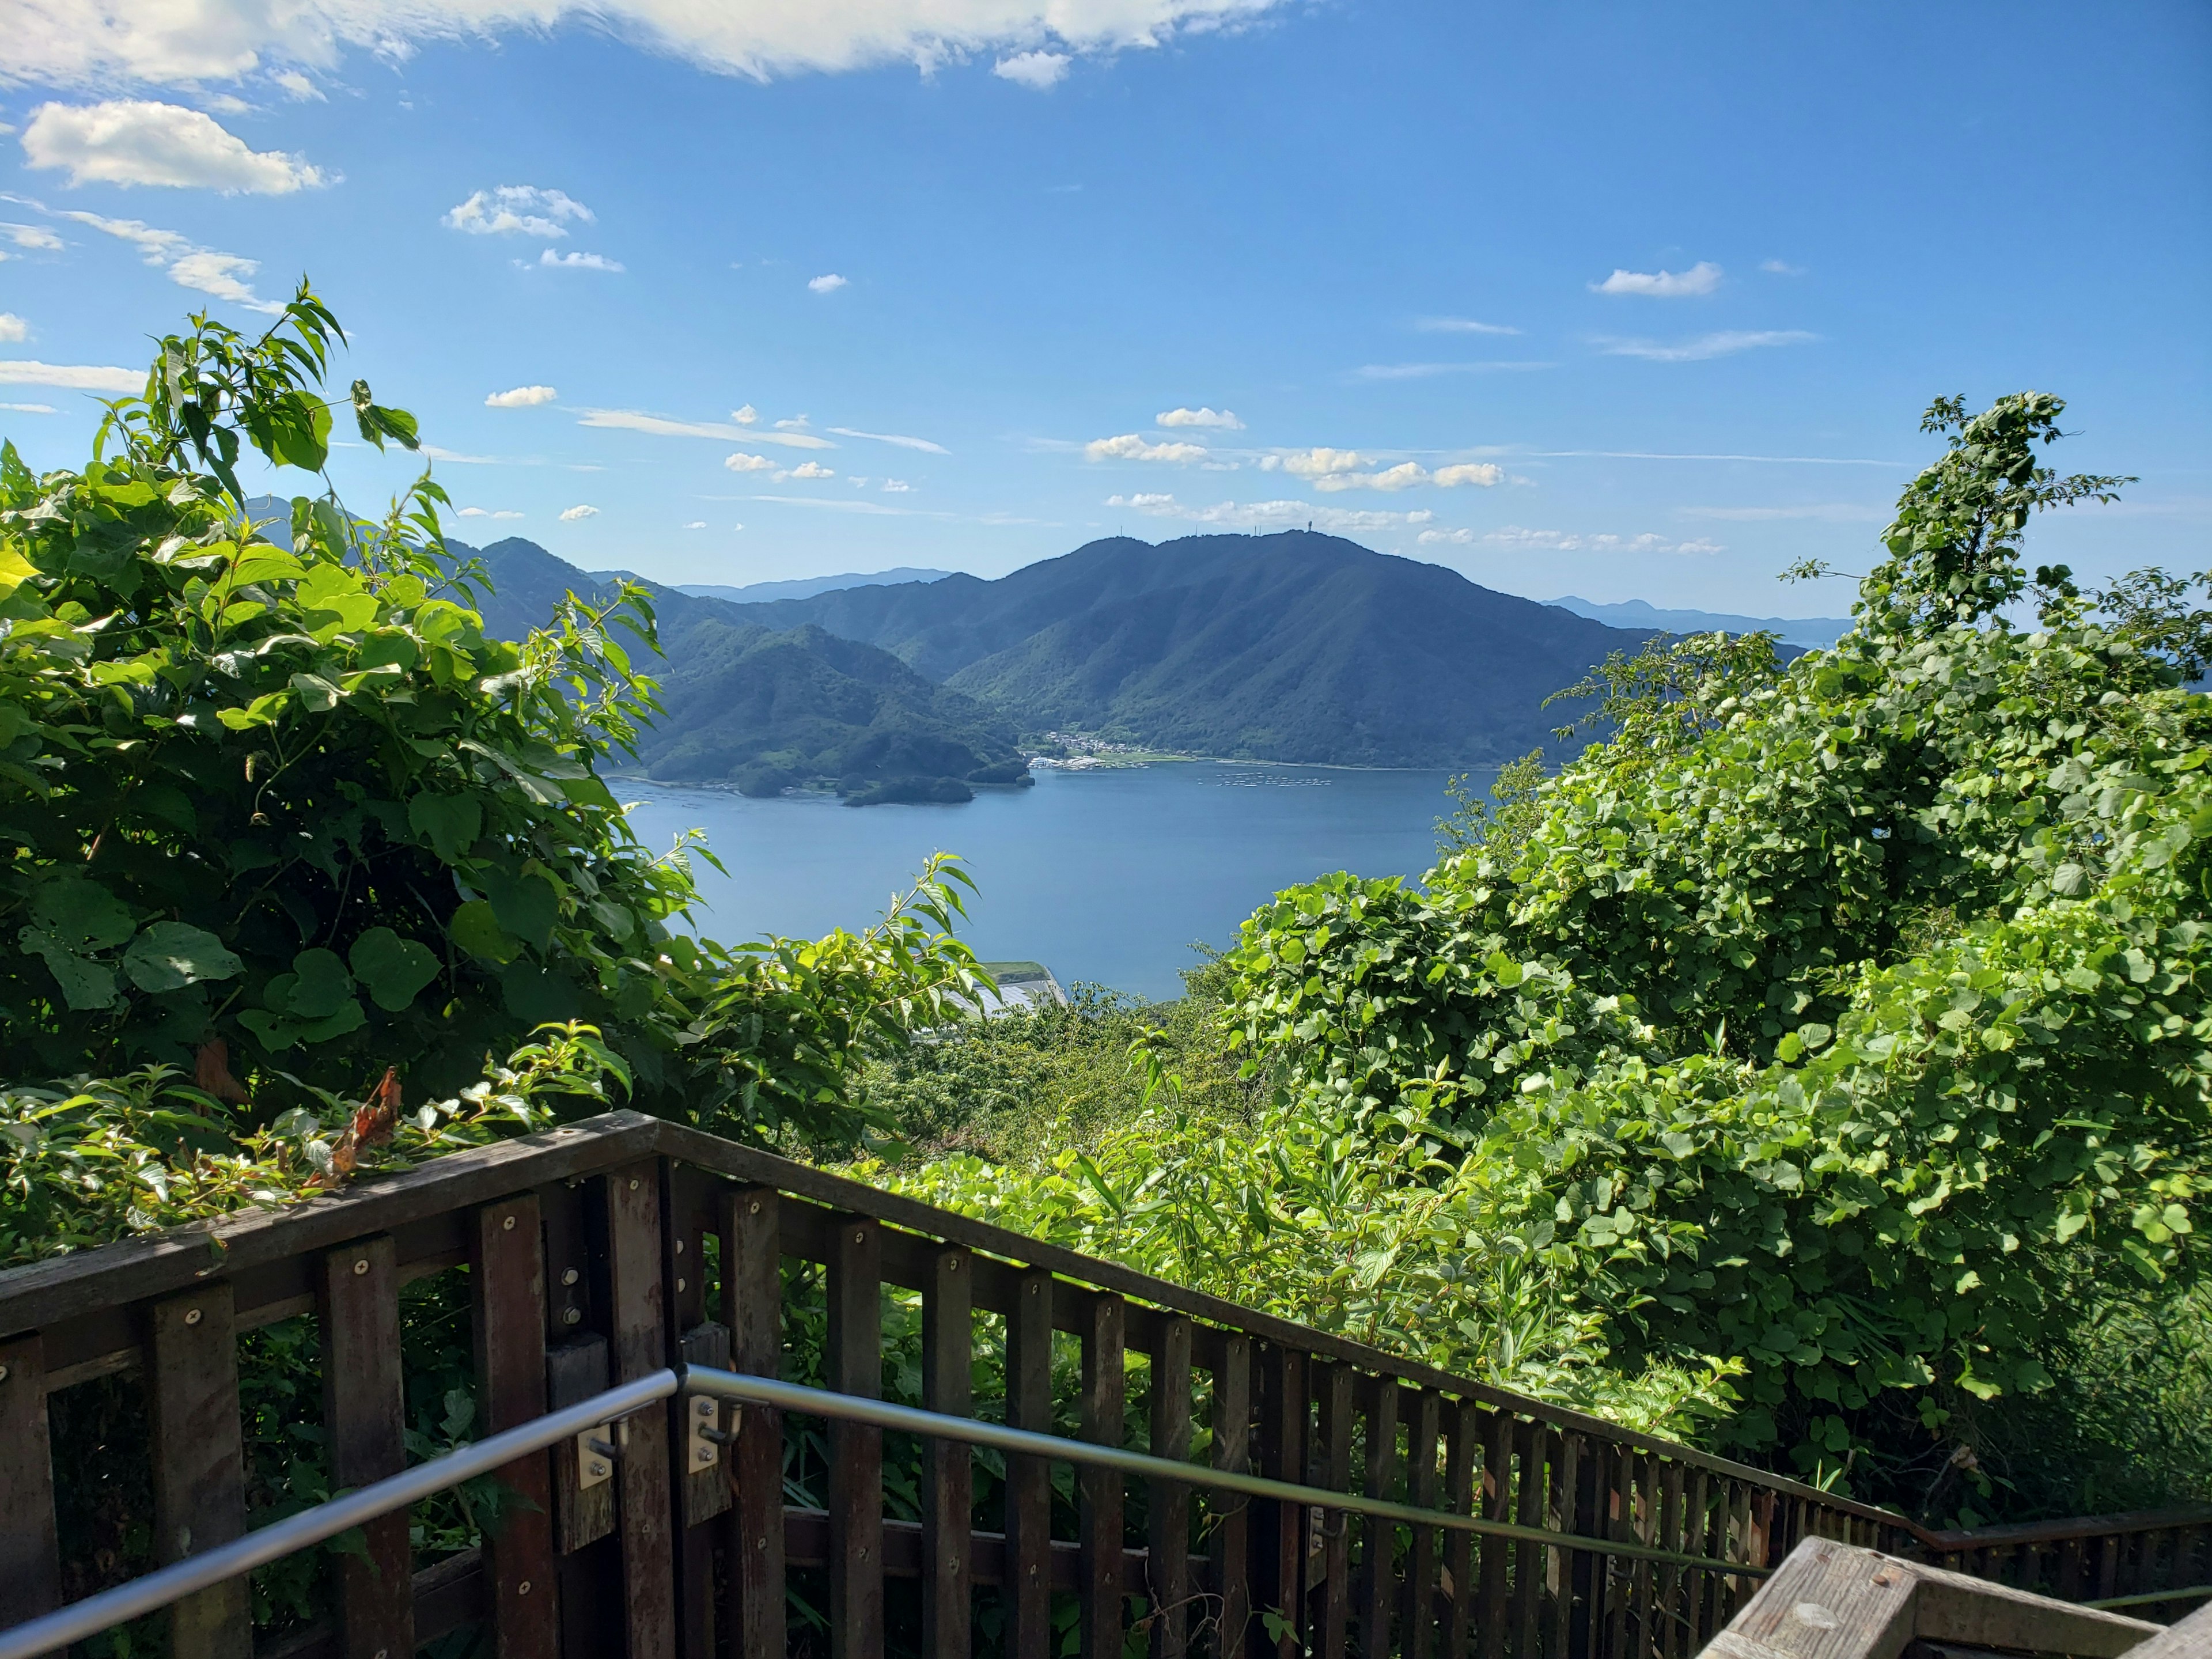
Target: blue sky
column 1622, row 301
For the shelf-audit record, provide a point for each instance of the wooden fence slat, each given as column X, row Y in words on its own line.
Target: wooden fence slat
column 1028, row 1479
column 948, row 1498
column 1697, row 1540
column 1531, row 1445
column 1099, row 1493
column 1330, row 1605
column 637, row 1345
column 1169, row 1501
column 1670, row 1579
column 1232, row 1449
column 1417, row 1622
column 1618, row 1582
column 30, row 1557
column 1376, row 1588
column 853, row 1358
column 364, row 1428
column 1463, row 1426
column 1737, row 1527
column 701, row 1477
column 507, row 1285
column 1566, row 1484
column 1646, row 1532
column 1279, row 1528
column 200, row 1461
column 1497, row 1505
column 753, row 1307
column 583, row 1514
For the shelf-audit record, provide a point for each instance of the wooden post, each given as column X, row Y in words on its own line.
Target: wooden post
column 1497, row 1505
column 200, row 1461
column 1463, row 1444
column 1378, row 1580
column 1534, row 1441
column 1669, row 1611
column 1168, row 1516
column 1417, row 1622
column 1332, row 1603
column 1099, row 1492
column 30, row 1559
column 1279, row 1528
column 948, row 1498
column 1232, row 1449
column 364, row 1424
column 1696, row 1582
column 1566, row 1491
column 854, row 1361
column 506, row 1284
column 637, row 1345
column 752, row 1532
column 1027, row 1587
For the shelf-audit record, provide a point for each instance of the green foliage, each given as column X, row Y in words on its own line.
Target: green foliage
column 1473, row 823
column 1840, row 1016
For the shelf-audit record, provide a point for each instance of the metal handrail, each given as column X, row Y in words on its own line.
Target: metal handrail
column 53, row 1632
column 1027, row 1443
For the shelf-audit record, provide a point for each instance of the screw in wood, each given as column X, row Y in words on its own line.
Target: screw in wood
column 192, row 1315
column 859, row 1238
column 569, row 1277
column 3, row 1373
column 633, row 1183
column 506, row 1225
column 361, row 1267
column 522, row 1588
column 573, row 1315
column 753, row 1208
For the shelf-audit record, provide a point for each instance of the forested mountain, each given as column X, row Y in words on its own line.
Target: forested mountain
column 805, row 587
column 1294, row 647
column 1810, row 632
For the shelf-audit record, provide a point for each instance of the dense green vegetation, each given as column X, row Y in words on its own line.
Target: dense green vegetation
column 1836, row 1024
column 1294, row 647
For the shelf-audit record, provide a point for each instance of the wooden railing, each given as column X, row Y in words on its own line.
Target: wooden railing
column 601, row 1254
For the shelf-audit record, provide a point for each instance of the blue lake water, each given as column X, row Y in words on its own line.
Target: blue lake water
column 1106, row 876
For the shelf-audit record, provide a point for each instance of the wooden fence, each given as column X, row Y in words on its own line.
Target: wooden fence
column 599, row 1253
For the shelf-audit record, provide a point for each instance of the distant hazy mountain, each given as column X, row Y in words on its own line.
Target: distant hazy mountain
column 765, row 707
column 1809, row 631
column 1294, row 647
column 806, row 587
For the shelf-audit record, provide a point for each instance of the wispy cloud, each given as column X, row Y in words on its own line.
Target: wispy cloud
column 29, row 409
column 1424, row 371
column 552, row 261
column 632, row 420
column 1701, row 278
column 132, row 142
column 570, row 514
column 1780, row 267
column 1332, row 470
column 72, row 377
column 486, row 513
column 806, row 469
column 437, row 453
column 203, row 270
column 1131, row 447
column 1220, row 419
column 828, row 283
column 1725, row 343
column 1272, row 515
column 13, row 328
column 37, row 238
column 1667, row 455
column 521, row 396
column 1040, row 71
column 517, row 210
column 1460, row 326
column 1824, row 512
column 922, row 444
column 1514, row 536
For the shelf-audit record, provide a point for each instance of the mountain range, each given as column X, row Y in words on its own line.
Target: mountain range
column 806, row 586
column 1811, row 633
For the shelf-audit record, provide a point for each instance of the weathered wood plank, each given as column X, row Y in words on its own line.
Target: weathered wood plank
column 948, row 1498
column 1028, row 1479
column 506, row 1284
column 1463, row 1425
column 30, row 1557
column 1417, row 1619
column 1331, row 1599
column 1232, row 1449
column 1169, row 1517
column 1098, row 1506
column 364, row 1429
column 637, row 1345
column 1376, row 1590
column 854, row 1358
column 1565, row 1488
column 1532, row 1442
column 700, row 1475
column 1496, row 1618
column 1277, row 1527
column 199, row 1462
column 583, row 1514
column 752, row 1308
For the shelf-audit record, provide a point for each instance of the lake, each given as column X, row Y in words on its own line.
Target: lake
column 1108, row 876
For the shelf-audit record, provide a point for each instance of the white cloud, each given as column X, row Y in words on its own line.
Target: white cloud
column 570, row 514
column 632, row 420
column 806, row 469
column 1316, row 462
column 299, row 87
column 745, row 416
column 29, row 409
column 922, row 444
column 438, row 453
column 1273, row 515
column 897, row 486
column 696, row 523
column 1437, row 538
column 182, row 42
column 1460, row 325
column 1407, row 475
column 1040, row 71
column 1516, row 537
column 1426, row 371
column 1129, row 447
column 13, row 327
column 132, row 141
column 1480, row 473
column 480, row 512
column 1723, row 344
column 1332, row 470
column 742, row 462
column 796, row 423
column 36, row 237
column 71, row 376
column 1221, row 419
column 1700, row 278
column 521, row 396
column 516, row 210
column 1825, row 511
column 1780, row 267
column 159, row 246
column 829, row 282
column 224, row 275
column 548, row 257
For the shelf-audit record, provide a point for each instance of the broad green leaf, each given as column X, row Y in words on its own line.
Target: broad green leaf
column 476, row 929
column 82, row 912
column 527, row 906
column 451, row 824
column 84, row 985
column 167, row 955
column 391, row 968
column 322, row 988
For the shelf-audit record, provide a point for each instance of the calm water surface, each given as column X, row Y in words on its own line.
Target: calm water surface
column 1107, row 876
